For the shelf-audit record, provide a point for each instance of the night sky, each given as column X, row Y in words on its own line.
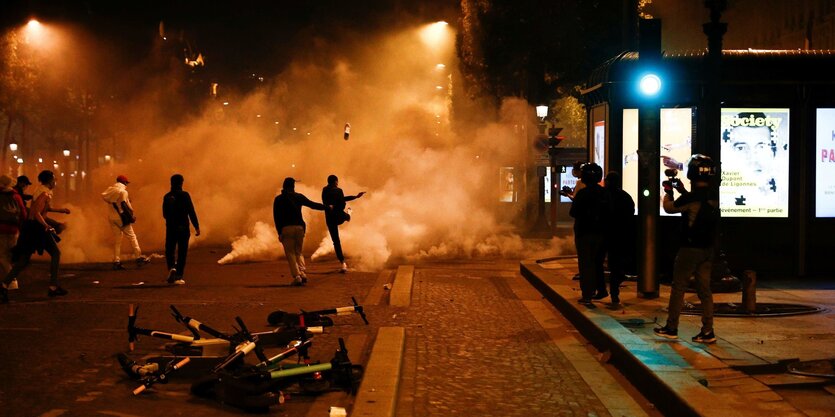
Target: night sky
column 235, row 38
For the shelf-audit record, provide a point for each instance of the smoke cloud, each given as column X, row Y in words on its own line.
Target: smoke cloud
column 432, row 191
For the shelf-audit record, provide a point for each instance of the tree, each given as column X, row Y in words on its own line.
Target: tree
column 536, row 49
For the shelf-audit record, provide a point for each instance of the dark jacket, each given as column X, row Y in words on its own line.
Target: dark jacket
column 287, row 209
column 333, row 196
column 177, row 209
column 621, row 225
column 700, row 216
column 591, row 210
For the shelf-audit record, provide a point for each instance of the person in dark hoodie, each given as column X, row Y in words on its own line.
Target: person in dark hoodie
column 591, row 211
column 177, row 209
column 335, row 199
column 287, row 214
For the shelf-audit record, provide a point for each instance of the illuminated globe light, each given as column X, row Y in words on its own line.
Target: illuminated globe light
column 66, row 152
column 19, row 160
column 541, row 111
column 13, row 147
column 650, row 84
column 646, row 193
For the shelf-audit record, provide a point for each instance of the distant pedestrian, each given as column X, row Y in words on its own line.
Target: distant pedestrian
column 620, row 239
column 287, row 215
column 38, row 235
column 23, row 182
column 335, row 199
column 121, row 218
column 591, row 211
column 12, row 216
column 699, row 227
column 177, row 209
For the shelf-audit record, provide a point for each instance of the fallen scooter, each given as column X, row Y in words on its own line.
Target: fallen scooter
column 314, row 318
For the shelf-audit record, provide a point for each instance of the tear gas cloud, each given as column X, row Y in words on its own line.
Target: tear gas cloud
column 431, row 193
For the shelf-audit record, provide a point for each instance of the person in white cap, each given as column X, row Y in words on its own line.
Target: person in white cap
column 120, row 217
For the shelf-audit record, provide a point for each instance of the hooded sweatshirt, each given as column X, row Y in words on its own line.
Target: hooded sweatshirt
column 116, row 193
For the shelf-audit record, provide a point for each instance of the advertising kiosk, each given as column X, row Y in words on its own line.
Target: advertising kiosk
column 776, row 147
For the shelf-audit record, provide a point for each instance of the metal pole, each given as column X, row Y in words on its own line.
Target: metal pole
column 649, row 172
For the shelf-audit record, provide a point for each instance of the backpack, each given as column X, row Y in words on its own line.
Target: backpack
column 9, row 210
column 702, row 233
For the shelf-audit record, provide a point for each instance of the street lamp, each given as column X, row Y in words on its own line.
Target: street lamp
column 13, row 147
column 650, row 84
column 541, row 112
column 67, row 152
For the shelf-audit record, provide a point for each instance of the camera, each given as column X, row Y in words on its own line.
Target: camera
column 566, row 191
column 672, row 180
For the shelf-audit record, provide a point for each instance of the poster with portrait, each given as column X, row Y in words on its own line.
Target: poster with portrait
column 755, row 162
column 676, row 142
column 600, row 144
column 825, row 164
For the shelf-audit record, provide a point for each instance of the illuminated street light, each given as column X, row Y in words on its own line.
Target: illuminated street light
column 439, row 87
column 435, row 34
column 440, row 66
column 107, row 158
column 40, row 160
column 13, row 147
column 19, row 160
column 650, row 84
column 541, row 112
column 66, row 152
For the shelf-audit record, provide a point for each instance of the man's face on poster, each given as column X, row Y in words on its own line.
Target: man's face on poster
column 751, row 146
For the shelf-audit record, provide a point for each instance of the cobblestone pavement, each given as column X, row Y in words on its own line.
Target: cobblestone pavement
column 473, row 349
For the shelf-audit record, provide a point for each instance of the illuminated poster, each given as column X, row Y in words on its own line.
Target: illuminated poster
column 507, row 190
column 600, row 144
column 676, row 140
column 567, row 180
column 755, row 163
column 825, row 165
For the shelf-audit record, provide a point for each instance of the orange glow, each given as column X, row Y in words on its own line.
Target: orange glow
column 436, row 35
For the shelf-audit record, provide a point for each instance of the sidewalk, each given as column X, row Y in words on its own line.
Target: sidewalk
column 684, row 378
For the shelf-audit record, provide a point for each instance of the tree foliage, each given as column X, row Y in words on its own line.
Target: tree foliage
column 535, row 49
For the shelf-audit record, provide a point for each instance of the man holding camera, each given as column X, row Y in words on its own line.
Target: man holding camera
column 700, row 220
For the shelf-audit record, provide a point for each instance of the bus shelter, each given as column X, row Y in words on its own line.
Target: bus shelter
column 776, row 149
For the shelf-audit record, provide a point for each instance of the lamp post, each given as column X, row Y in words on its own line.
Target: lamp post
column 66, row 153
column 649, row 88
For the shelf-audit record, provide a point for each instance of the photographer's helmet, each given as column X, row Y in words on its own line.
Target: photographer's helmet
column 700, row 168
column 591, row 173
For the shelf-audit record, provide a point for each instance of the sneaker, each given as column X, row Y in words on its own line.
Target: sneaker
column 178, row 281
column 13, row 285
column 666, row 332
column 297, row 281
column 57, row 292
column 703, row 337
column 142, row 260
column 600, row 295
column 117, row 266
column 172, row 276
column 585, row 301
column 344, row 268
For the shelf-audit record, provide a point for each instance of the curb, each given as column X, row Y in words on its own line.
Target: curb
column 377, row 395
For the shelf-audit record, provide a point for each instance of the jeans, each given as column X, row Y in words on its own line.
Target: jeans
column 176, row 239
column 119, row 230
column 690, row 262
column 292, row 238
column 52, row 249
column 333, row 228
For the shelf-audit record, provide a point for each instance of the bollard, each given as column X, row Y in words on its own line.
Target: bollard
column 749, row 291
